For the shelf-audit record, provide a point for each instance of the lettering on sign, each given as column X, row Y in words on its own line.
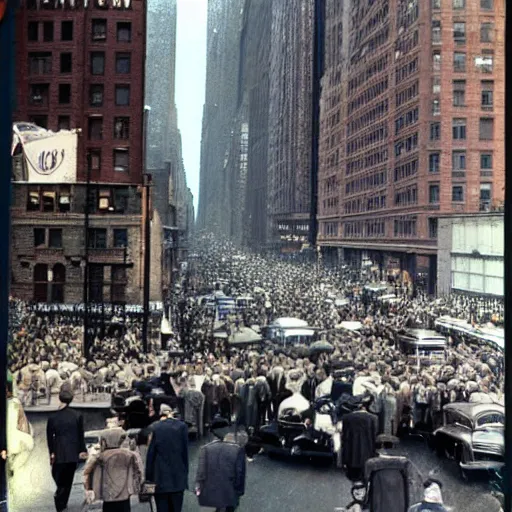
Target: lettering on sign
column 49, row 161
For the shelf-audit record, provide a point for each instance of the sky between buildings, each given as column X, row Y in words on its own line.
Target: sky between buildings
column 190, row 84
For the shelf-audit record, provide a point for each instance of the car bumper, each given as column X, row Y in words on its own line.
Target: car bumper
column 481, row 465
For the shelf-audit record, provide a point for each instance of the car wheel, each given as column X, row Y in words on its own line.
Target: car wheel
column 460, row 459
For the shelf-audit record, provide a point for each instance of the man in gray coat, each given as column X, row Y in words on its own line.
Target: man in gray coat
column 220, row 480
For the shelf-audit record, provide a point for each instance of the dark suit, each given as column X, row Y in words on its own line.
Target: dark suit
column 221, row 475
column 65, row 438
column 358, row 442
column 167, row 463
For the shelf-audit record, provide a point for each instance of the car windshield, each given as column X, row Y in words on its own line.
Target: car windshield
column 488, row 419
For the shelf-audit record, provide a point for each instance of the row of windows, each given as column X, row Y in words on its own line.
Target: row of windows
column 121, row 128
column 378, row 134
column 121, row 157
column 372, row 24
column 484, row 63
column 461, row 4
column 364, row 205
column 369, row 117
column 379, row 156
column 407, row 196
column 52, row 238
column 459, row 32
column 330, row 203
column 371, row 70
column 406, row 170
column 75, row 4
column 368, row 95
column 486, row 97
column 408, row 13
column 39, row 95
column 406, row 70
column 406, row 145
column 41, row 63
column 406, row 119
column 364, row 229
column 459, row 129
column 330, row 185
column 404, row 45
column 371, row 46
column 407, row 94
column 405, row 227
column 459, row 161
column 330, row 229
column 333, row 159
column 98, row 33
column 364, row 183
column 434, row 195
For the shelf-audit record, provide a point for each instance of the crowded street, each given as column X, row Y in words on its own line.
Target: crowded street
column 204, row 354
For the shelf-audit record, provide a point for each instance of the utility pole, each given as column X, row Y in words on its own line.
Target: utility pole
column 147, row 233
column 7, row 88
column 87, row 344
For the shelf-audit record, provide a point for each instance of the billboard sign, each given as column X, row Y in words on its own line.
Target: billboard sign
column 48, row 157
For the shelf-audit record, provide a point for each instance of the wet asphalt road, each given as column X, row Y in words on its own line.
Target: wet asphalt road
column 273, row 485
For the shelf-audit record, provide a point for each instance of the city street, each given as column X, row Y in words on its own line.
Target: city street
column 272, row 484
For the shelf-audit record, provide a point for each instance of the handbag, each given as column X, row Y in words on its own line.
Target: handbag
column 147, row 491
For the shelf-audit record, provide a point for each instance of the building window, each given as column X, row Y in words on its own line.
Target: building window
column 485, row 197
column 124, row 32
column 459, row 161
column 97, row 238
column 436, row 60
column 64, row 199
column 434, row 162
column 484, row 62
column 486, row 128
column 459, row 4
column 33, row 31
column 66, row 31
column 122, row 95
column 121, row 160
column 121, row 128
column 95, row 128
column 459, row 32
column 97, row 63
column 105, row 200
column 39, row 237
column 120, row 238
column 435, row 131
column 55, row 238
column 436, row 85
column 436, row 31
column 121, row 199
column 486, row 32
column 123, row 63
column 99, row 30
column 486, row 4
column 459, row 93
column 39, row 94
column 40, row 282
column 66, row 62
column 433, row 193
column 40, row 63
column 64, row 123
column 59, row 279
column 458, row 193
column 64, row 94
column 459, row 62
column 432, row 227
column 39, row 120
column 94, row 158
column 459, row 129
column 487, row 94
column 436, row 107
column 118, row 284
column 48, row 31
column 486, row 161
column 96, row 95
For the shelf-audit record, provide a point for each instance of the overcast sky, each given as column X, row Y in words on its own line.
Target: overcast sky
column 190, row 84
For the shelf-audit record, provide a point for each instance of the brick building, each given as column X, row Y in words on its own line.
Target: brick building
column 412, row 124
column 80, row 65
column 290, row 123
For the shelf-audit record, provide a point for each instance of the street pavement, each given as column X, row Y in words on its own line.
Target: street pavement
column 273, row 484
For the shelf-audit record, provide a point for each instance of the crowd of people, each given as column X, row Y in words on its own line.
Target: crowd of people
column 248, row 385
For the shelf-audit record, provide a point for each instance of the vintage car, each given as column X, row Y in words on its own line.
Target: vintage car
column 473, row 435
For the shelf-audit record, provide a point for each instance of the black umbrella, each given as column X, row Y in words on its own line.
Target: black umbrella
column 321, row 346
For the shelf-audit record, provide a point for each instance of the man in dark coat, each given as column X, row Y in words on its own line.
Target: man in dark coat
column 358, row 441
column 66, row 444
column 167, row 461
column 220, row 480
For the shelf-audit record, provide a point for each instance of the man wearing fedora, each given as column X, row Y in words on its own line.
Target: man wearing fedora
column 66, row 444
